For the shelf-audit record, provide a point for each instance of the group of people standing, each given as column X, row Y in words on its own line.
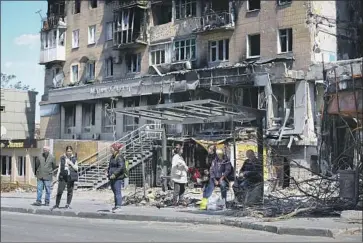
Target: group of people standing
column 68, row 175
column 220, row 174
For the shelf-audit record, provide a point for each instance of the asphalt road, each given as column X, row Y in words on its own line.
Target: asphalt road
column 18, row 227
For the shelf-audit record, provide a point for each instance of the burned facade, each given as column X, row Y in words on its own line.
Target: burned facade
column 169, row 61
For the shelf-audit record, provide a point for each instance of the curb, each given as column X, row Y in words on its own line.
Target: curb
column 209, row 221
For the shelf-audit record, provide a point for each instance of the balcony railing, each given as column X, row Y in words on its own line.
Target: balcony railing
column 57, row 53
column 52, row 22
column 217, row 20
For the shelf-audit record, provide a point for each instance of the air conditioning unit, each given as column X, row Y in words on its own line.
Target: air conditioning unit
column 76, row 136
column 96, row 136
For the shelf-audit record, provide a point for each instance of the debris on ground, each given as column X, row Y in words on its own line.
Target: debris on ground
column 16, row 187
column 157, row 197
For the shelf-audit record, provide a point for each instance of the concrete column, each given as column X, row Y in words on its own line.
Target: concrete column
column 14, row 167
column 119, row 119
column 29, row 172
column 62, row 121
column 98, row 116
column 143, row 102
column 78, row 118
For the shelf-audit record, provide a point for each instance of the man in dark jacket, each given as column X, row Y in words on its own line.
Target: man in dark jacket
column 219, row 172
column 44, row 167
column 116, row 174
column 249, row 175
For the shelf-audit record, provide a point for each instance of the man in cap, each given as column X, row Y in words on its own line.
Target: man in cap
column 44, row 167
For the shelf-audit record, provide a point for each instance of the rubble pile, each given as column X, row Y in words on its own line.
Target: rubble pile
column 156, row 197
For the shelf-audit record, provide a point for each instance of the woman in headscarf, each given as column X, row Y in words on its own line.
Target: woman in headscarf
column 179, row 176
column 67, row 175
column 116, row 174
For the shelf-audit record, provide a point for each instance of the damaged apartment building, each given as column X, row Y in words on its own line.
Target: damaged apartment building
column 200, row 67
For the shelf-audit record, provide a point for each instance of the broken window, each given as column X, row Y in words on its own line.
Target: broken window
column 109, row 119
column 91, row 34
column 162, row 13
column 128, row 25
column 109, row 31
column 131, row 123
column 69, row 119
column 44, row 40
column 185, row 9
column 184, row 50
column 253, row 46
column 93, row 3
column 219, row 50
column 253, row 5
column 6, row 165
column 88, row 117
column 55, row 71
column 133, row 63
column 91, row 70
column 75, row 38
column 282, row 2
column 285, row 40
column 109, row 67
column 77, row 6
column 158, row 54
column 74, row 76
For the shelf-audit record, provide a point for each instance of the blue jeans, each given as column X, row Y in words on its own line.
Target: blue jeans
column 116, row 189
column 208, row 190
column 41, row 184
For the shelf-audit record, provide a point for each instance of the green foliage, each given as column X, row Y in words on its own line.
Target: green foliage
column 6, row 83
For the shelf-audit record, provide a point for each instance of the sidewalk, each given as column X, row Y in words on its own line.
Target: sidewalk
column 97, row 207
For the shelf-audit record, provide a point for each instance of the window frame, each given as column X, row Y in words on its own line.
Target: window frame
column 249, row 46
column 91, row 66
column 72, row 73
column 159, row 48
column 8, row 165
column 225, row 50
column 107, row 126
column 109, row 27
column 289, row 45
column 179, row 47
column 21, row 165
column 73, row 123
column 138, row 63
column 283, row 2
column 75, row 44
column 181, row 9
column 91, row 108
column 91, row 31
column 109, row 70
column 75, row 6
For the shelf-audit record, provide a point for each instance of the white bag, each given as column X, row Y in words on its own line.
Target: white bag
column 215, row 203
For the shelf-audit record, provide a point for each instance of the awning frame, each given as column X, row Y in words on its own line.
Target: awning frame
column 193, row 112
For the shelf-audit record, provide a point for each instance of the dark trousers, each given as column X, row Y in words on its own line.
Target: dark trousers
column 179, row 189
column 61, row 186
column 116, row 189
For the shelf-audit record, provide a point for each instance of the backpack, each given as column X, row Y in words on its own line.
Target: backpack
column 126, row 173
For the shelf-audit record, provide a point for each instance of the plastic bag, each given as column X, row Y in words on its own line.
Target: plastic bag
column 215, row 203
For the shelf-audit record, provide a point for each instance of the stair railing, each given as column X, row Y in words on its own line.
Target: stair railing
column 103, row 153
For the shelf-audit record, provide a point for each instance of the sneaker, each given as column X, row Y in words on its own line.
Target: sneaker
column 37, row 203
column 68, row 207
column 116, row 209
column 47, row 204
column 54, row 207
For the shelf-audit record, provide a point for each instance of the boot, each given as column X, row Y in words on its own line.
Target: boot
column 203, row 204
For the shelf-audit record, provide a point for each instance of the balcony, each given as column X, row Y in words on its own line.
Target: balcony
column 129, row 28
column 216, row 21
column 53, row 22
column 53, row 46
column 55, row 54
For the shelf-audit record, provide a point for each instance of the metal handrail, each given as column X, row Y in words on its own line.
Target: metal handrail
column 124, row 138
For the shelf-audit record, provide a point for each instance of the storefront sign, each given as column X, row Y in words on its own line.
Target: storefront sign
column 113, row 88
column 19, row 144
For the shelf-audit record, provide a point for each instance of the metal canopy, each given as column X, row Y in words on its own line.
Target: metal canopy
column 193, row 112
